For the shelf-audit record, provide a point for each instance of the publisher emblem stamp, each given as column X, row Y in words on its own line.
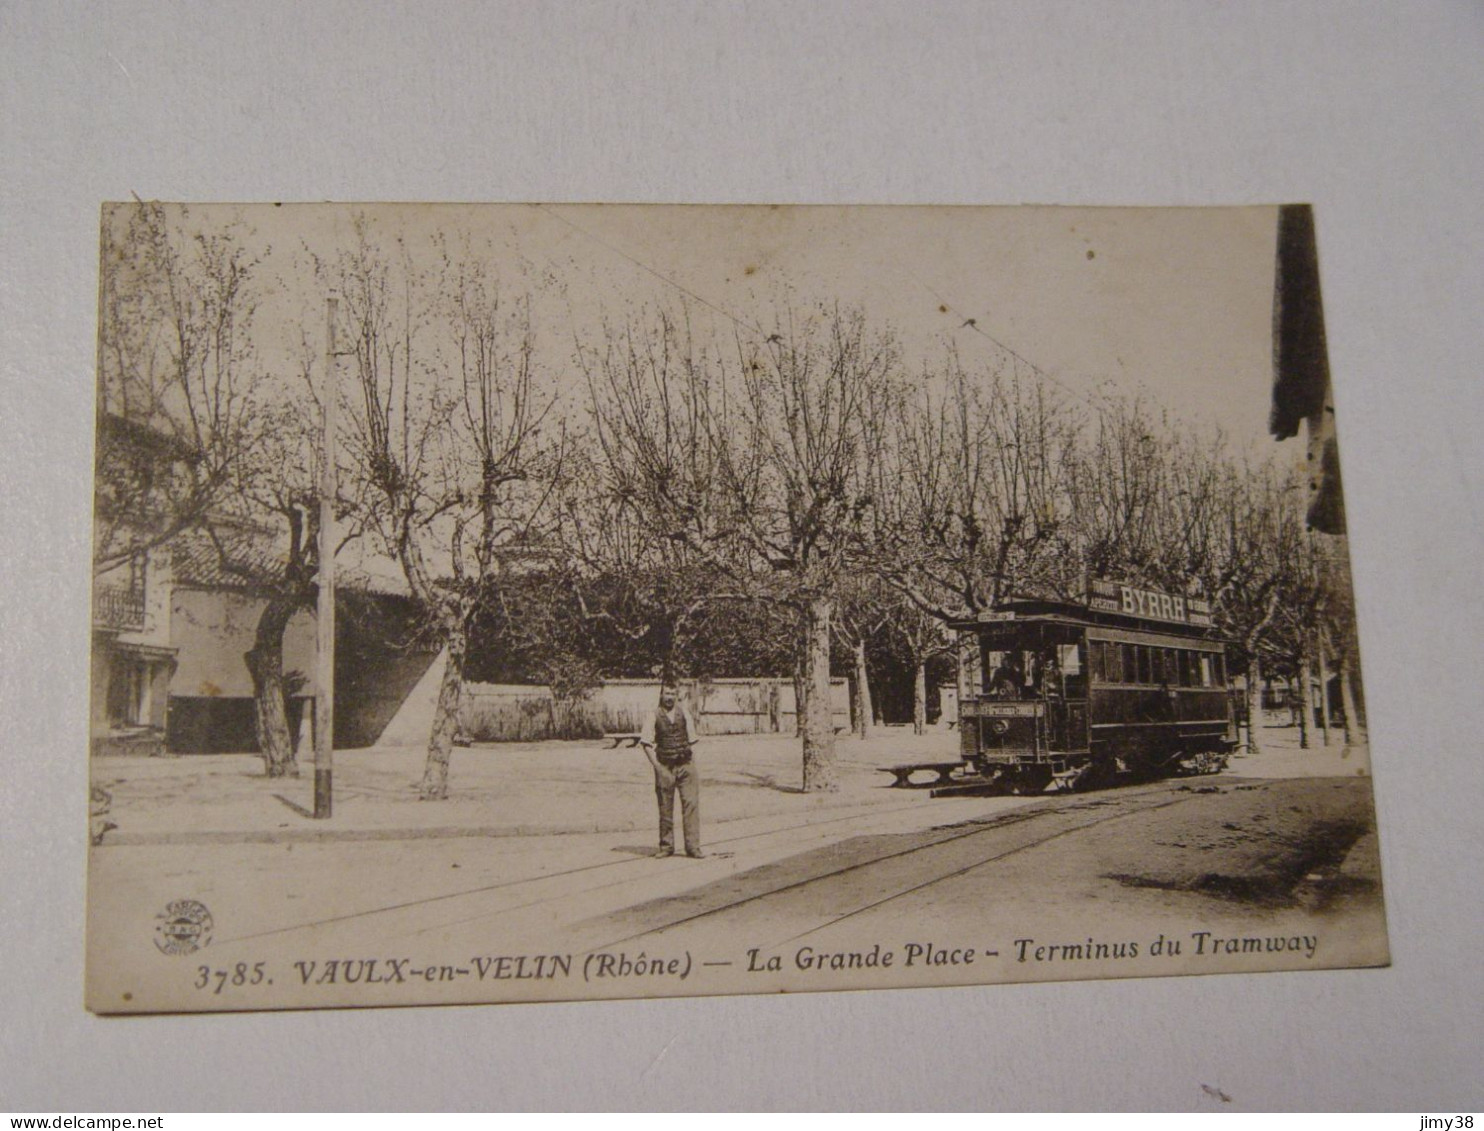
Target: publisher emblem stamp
column 184, row 927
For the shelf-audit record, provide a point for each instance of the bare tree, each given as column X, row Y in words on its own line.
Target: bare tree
column 177, row 372
column 975, row 492
column 276, row 484
column 1146, row 498
column 924, row 638
column 756, row 462
column 195, row 443
column 1258, row 533
column 446, row 424
column 651, row 592
column 865, row 608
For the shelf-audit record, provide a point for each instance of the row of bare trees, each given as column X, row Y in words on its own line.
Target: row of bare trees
column 197, row 440
column 668, row 473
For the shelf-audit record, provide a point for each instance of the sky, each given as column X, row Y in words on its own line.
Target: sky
column 1174, row 302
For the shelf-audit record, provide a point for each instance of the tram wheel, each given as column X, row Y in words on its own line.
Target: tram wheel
column 1097, row 774
column 1030, row 781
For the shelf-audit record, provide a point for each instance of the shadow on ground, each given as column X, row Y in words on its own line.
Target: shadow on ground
column 767, row 781
column 294, row 805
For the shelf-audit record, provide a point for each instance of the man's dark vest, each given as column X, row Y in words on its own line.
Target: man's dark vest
column 671, row 739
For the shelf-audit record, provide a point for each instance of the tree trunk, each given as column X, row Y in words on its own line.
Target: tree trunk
column 270, row 704
column 1324, row 716
column 1347, row 699
column 801, row 682
column 853, row 693
column 1254, row 704
column 919, row 698
column 863, row 692
column 1306, row 702
column 819, row 722
column 445, row 717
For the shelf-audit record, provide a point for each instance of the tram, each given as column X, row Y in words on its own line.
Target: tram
column 1129, row 685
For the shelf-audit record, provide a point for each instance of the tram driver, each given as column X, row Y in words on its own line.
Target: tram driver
column 1008, row 680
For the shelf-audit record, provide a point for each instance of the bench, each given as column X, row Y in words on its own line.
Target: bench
column 903, row 774
column 616, row 740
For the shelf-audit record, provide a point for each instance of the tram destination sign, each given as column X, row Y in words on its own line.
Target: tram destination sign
column 1147, row 604
column 1009, row 710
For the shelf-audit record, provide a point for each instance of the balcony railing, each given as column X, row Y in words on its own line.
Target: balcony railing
column 118, row 607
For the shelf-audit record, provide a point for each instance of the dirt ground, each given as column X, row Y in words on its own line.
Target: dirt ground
column 548, row 787
column 497, row 789
column 548, row 848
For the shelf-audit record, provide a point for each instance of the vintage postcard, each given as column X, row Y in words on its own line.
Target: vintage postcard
column 548, row 602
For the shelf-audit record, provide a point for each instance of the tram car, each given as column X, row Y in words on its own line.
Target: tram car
column 1130, row 685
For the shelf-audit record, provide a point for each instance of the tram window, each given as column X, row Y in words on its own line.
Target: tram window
column 1097, row 655
column 1145, row 675
column 1220, row 661
column 1189, row 676
column 1206, row 680
column 995, row 659
column 1069, row 659
column 1005, row 676
column 1172, row 669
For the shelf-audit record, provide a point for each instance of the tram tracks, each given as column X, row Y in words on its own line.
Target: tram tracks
column 888, row 863
column 557, row 877
column 823, row 898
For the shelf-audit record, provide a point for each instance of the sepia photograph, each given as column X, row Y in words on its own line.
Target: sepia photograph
column 515, row 603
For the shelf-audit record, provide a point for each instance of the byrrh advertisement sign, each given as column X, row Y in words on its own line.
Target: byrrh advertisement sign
column 1150, row 604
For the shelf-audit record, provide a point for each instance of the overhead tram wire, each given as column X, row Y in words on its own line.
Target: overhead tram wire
column 973, row 324
column 661, row 276
column 969, row 322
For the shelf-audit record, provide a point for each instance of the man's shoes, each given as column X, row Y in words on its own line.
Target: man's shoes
column 662, row 853
column 695, row 854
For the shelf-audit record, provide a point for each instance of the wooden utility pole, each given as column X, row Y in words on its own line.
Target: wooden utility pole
column 324, row 617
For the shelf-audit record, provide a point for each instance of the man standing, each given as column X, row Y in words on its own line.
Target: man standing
column 667, row 739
